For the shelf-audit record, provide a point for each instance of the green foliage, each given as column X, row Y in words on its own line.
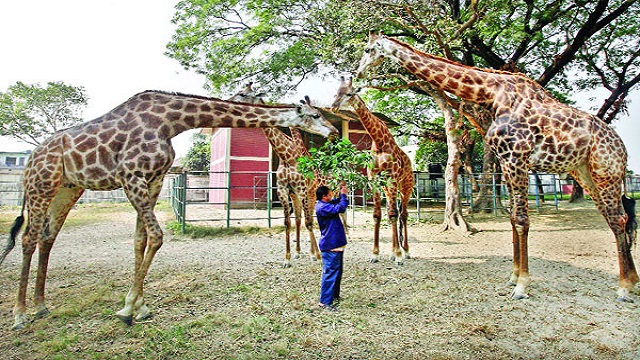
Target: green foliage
column 32, row 113
column 341, row 161
column 199, row 155
column 431, row 152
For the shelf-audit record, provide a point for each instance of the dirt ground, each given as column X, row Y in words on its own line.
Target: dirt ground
column 571, row 312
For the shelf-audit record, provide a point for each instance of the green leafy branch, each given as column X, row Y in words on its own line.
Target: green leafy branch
column 340, row 161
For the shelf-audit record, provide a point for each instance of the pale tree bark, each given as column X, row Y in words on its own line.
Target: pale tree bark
column 453, row 218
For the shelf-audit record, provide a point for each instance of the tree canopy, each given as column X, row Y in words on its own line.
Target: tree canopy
column 563, row 44
column 32, row 113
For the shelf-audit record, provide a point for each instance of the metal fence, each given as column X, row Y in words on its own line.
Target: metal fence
column 545, row 190
column 189, row 190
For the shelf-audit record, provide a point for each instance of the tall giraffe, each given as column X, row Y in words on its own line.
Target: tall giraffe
column 129, row 148
column 531, row 131
column 390, row 158
column 291, row 184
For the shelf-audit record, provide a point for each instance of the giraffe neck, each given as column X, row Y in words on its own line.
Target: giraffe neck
column 173, row 114
column 469, row 83
column 283, row 145
column 376, row 128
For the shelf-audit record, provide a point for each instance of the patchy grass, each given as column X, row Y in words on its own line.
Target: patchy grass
column 225, row 296
column 199, row 231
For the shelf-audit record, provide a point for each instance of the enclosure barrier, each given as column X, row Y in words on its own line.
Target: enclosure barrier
column 217, row 190
column 545, row 191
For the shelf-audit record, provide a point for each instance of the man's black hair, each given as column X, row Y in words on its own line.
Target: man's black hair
column 321, row 192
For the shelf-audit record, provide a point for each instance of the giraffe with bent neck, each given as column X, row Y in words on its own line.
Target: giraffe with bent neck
column 531, row 131
column 390, row 158
column 129, row 148
column 290, row 183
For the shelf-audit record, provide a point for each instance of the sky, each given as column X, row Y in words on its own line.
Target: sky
column 115, row 49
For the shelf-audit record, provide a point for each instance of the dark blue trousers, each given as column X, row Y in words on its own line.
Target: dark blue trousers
column 331, row 276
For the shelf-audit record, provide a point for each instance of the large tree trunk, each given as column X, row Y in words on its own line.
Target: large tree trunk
column 577, row 193
column 484, row 200
column 453, row 219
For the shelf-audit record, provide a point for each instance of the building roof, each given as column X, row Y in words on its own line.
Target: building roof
column 349, row 115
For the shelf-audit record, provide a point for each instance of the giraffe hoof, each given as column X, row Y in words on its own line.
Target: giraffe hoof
column 624, row 299
column 143, row 317
column 20, row 322
column 42, row 313
column 518, row 296
column 624, row 296
column 126, row 319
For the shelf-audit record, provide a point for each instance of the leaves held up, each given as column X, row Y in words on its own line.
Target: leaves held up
column 340, row 161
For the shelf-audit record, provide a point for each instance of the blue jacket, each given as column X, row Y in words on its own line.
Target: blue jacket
column 332, row 234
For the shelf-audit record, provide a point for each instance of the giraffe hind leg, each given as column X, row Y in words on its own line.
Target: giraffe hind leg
column 60, row 207
column 606, row 196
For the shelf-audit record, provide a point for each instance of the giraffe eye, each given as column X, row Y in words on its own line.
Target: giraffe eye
column 316, row 116
column 367, row 50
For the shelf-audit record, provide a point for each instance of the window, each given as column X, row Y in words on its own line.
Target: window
column 11, row 161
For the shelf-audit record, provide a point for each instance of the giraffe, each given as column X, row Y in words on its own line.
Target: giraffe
column 531, row 130
column 291, row 184
column 130, row 148
column 390, row 158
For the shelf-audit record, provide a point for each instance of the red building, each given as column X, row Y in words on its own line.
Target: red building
column 241, row 158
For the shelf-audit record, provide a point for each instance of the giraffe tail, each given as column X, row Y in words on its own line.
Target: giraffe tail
column 15, row 229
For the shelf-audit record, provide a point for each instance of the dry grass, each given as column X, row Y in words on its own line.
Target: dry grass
column 229, row 298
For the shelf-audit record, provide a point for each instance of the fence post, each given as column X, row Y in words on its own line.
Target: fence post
column 228, row 200
column 269, row 190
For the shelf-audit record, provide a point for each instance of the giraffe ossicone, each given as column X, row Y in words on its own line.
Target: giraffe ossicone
column 129, row 148
column 531, row 131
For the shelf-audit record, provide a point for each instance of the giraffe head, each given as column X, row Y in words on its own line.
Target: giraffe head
column 311, row 120
column 308, row 117
column 248, row 95
column 344, row 94
column 372, row 55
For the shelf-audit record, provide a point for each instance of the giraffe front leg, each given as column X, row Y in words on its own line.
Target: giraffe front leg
column 148, row 240
column 308, row 207
column 520, row 226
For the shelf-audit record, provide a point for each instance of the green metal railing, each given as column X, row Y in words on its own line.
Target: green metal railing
column 545, row 192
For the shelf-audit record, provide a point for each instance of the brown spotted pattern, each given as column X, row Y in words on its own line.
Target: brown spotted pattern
column 291, row 184
column 390, row 158
column 531, row 131
column 129, row 148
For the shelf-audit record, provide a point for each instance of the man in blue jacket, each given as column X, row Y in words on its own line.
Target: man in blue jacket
column 333, row 241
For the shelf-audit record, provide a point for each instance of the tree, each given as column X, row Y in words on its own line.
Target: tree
column 32, row 113
column 277, row 43
column 199, row 155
